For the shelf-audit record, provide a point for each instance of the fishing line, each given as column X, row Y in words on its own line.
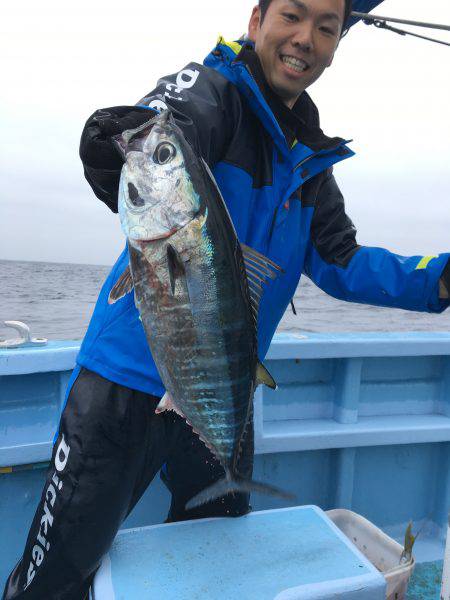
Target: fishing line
column 382, row 23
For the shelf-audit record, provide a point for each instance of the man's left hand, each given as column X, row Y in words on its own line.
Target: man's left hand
column 444, row 283
column 443, row 292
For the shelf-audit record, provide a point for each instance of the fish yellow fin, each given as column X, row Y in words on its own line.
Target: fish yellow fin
column 263, row 376
column 410, row 539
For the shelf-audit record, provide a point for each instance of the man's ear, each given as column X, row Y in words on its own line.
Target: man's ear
column 254, row 23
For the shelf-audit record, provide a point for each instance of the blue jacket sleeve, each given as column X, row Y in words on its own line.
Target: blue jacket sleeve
column 340, row 267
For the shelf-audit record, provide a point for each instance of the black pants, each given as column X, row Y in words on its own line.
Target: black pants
column 109, row 448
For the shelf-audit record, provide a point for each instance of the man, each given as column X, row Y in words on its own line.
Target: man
column 246, row 111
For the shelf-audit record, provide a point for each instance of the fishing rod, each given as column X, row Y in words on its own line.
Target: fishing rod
column 370, row 17
column 382, row 23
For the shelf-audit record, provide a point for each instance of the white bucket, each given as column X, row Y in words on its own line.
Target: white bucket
column 445, row 589
column 382, row 551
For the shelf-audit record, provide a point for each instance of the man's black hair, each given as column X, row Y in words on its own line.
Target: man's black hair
column 264, row 5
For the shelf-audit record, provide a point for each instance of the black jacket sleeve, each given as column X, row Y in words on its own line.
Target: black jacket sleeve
column 332, row 231
column 204, row 104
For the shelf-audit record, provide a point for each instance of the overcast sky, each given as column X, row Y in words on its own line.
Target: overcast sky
column 60, row 61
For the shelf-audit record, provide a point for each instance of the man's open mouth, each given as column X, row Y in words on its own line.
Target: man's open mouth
column 297, row 64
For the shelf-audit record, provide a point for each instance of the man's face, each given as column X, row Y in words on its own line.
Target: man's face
column 296, row 42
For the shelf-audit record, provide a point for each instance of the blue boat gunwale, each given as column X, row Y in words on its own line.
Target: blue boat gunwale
column 61, row 355
column 344, row 428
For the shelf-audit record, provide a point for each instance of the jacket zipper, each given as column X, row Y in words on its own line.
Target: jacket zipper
column 272, row 226
column 305, row 160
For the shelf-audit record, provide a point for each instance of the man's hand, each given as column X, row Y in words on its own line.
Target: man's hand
column 444, row 283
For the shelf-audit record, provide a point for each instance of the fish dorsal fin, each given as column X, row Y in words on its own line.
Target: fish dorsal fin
column 123, row 286
column 263, row 376
column 259, row 271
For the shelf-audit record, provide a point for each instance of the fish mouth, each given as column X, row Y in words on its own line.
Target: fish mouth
column 140, row 234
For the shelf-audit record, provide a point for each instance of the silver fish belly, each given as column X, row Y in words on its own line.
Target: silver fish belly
column 201, row 335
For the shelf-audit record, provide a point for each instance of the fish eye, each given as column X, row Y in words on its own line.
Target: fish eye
column 164, row 153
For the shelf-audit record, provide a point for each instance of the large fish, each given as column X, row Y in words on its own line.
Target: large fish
column 197, row 291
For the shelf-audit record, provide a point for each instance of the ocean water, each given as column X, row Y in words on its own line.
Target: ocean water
column 56, row 300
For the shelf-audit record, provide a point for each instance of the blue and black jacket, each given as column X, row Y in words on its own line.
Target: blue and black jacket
column 274, row 169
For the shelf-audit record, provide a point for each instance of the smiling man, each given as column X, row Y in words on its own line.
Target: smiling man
column 246, row 111
column 296, row 41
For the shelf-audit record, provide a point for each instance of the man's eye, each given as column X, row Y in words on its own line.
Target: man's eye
column 290, row 17
column 328, row 31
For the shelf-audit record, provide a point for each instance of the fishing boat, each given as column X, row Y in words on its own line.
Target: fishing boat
column 359, row 427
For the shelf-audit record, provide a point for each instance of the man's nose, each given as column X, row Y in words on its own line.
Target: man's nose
column 303, row 37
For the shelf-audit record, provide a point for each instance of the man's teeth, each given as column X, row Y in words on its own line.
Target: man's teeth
column 295, row 63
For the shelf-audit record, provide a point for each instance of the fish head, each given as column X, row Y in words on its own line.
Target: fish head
column 156, row 194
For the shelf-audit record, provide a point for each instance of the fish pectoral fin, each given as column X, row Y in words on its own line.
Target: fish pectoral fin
column 123, row 286
column 166, row 403
column 263, row 376
column 175, row 265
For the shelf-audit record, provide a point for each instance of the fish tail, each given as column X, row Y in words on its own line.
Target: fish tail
column 231, row 484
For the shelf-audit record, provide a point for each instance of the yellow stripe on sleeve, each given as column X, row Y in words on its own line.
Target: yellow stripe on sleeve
column 423, row 263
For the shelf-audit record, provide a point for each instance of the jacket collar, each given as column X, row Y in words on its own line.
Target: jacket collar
column 299, row 123
column 239, row 62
